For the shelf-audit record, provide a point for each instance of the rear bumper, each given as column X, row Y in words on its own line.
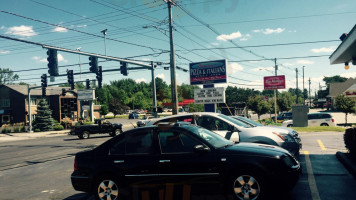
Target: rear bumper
column 81, row 183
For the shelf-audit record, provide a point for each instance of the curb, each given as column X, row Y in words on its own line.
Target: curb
column 351, row 167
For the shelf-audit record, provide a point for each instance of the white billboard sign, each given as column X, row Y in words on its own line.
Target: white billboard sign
column 86, row 95
column 209, row 95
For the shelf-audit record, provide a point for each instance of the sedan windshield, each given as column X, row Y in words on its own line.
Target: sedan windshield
column 212, row 138
column 235, row 121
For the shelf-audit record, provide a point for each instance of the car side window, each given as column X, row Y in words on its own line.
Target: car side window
column 174, row 142
column 212, row 123
column 118, row 148
column 326, row 116
column 139, row 143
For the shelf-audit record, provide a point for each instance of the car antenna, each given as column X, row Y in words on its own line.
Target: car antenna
column 132, row 124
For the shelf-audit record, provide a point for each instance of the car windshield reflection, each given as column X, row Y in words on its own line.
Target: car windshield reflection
column 212, row 138
column 235, row 121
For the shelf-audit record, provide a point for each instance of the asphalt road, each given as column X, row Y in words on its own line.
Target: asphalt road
column 40, row 169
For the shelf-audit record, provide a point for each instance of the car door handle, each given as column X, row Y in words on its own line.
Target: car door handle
column 164, row 161
column 118, row 161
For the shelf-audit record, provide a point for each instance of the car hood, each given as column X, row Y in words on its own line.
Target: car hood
column 254, row 149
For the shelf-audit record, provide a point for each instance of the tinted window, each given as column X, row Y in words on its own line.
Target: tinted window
column 212, row 123
column 313, row 116
column 174, row 142
column 139, row 143
column 210, row 137
column 118, row 148
column 326, row 116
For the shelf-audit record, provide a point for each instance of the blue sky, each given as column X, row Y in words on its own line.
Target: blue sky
column 245, row 22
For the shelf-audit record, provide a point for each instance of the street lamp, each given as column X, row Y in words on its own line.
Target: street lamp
column 104, row 32
column 80, row 65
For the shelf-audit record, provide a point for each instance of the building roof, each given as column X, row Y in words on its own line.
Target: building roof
column 336, row 89
column 51, row 90
column 346, row 49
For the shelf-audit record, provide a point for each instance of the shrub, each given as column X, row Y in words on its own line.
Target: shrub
column 58, row 127
column 37, row 130
column 16, row 129
column 350, row 141
column 23, row 129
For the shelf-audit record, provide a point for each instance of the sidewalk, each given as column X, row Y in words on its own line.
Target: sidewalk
column 4, row 137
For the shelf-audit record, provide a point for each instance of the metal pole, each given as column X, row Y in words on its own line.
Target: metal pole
column 154, row 96
column 303, row 87
column 172, row 63
column 29, row 108
column 296, row 90
column 275, row 92
column 309, row 95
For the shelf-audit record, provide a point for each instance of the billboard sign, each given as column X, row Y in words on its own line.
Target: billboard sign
column 86, row 95
column 274, row 82
column 209, row 95
column 209, row 72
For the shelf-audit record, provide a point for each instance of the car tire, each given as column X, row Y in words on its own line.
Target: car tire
column 290, row 125
column 246, row 185
column 84, row 135
column 116, row 132
column 107, row 187
column 324, row 124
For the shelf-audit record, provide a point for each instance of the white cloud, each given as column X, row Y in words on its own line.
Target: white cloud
column 245, row 37
column 4, row 52
column 232, row 36
column 268, row 31
column 44, row 60
column 288, row 64
column 305, row 62
column 36, row 57
column 161, row 76
column 61, row 58
column 324, row 50
column 141, row 80
column 60, row 29
column 234, row 67
column 22, row 30
column 2, row 27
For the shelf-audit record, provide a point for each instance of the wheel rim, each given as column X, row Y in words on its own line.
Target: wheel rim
column 117, row 131
column 108, row 190
column 246, row 187
column 85, row 135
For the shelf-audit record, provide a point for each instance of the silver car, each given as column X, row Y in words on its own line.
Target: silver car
column 236, row 130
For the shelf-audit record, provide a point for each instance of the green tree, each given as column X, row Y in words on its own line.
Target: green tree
column 259, row 105
column 285, row 101
column 334, row 79
column 43, row 120
column 104, row 110
column 7, row 76
column 346, row 105
column 116, row 107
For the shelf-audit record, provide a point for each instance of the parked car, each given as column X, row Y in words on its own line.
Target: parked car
column 221, row 124
column 176, row 154
column 133, row 115
column 284, row 116
column 144, row 120
column 100, row 126
column 315, row 119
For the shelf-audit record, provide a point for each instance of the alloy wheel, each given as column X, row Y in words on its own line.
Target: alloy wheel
column 246, row 187
column 108, row 190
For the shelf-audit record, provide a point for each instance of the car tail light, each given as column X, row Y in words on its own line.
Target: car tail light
column 279, row 136
column 332, row 119
column 75, row 164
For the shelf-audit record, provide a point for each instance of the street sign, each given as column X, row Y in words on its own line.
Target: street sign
column 210, row 72
column 86, row 95
column 209, row 95
column 274, row 82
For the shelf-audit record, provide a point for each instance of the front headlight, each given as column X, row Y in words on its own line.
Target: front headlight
column 284, row 136
column 288, row 161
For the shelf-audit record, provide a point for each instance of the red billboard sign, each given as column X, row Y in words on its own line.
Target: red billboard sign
column 274, row 82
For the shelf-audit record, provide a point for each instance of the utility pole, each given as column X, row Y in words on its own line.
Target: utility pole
column 104, row 32
column 172, row 60
column 309, row 94
column 296, row 90
column 275, row 92
column 154, row 96
column 303, row 87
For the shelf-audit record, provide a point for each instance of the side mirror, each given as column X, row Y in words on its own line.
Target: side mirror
column 200, row 148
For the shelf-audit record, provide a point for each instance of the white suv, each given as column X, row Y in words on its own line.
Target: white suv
column 315, row 119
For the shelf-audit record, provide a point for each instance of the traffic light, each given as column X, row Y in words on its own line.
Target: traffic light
column 99, row 76
column 70, row 76
column 123, row 68
column 44, row 80
column 93, row 64
column 52, row 62
column 88, row 84
column 63, row 92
